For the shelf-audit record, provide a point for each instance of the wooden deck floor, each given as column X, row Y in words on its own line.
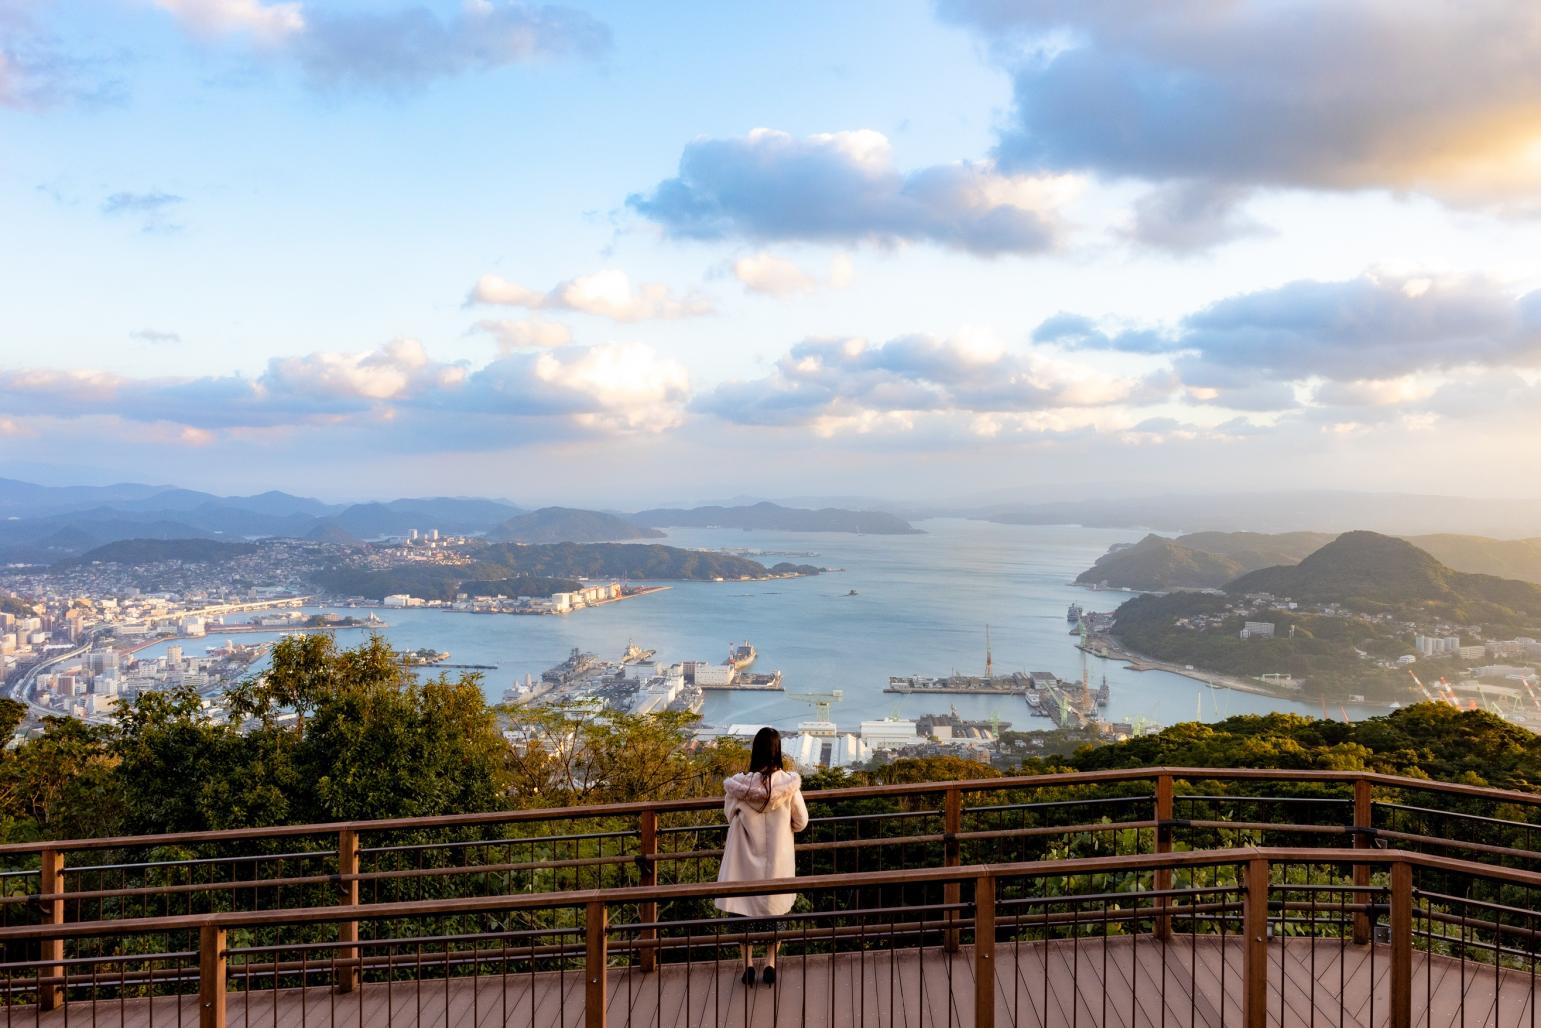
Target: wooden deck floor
column 1116, row 984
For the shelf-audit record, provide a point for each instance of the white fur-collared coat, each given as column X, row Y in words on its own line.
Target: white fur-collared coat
column 759, row 844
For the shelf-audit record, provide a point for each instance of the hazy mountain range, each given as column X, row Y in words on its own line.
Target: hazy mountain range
column 44, row 523
column 49, row 523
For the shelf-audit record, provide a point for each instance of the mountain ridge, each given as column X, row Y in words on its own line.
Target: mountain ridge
column 569, row 525
column 1158, row 563
column 1366, row 569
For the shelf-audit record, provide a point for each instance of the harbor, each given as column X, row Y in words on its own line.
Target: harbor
column 916, row 615
column 638, row 683
column 1065, row 703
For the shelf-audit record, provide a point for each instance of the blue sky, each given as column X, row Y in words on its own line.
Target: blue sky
column 629, row 253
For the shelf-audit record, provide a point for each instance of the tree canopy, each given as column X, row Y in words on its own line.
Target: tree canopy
column 330, row 734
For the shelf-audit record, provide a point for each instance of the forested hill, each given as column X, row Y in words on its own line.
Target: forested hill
column 1201, row 560
column 554, row 562
column 1367, row 570
column 622, row 560
column 156, row 551
column 1426, row 740
column 774, row 517
column 1155, row 564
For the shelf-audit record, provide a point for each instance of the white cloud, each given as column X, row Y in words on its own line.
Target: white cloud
column 771, row 275
column 272, row 22
column 1375, row 392
column 774, row 276
column 529, row 333
column 398, row 370
column 1372, row 340
column 841, row 271
column 606, row 294
column 627, row 382
column 848, row 383
column 397, row 396
column 843, row 187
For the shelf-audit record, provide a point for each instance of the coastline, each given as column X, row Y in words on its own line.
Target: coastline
column 1112, row 650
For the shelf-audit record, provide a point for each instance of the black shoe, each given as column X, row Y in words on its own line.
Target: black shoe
column 748, row 978
column 768, row 976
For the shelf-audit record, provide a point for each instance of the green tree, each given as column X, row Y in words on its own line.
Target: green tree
column 61, row 784
column 169, row 753
column 576, row 754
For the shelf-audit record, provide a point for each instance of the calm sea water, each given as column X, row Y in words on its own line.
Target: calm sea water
column 921, row 607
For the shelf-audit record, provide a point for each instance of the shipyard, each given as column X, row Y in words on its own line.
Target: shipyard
column 1068, row 704
column 638, row 683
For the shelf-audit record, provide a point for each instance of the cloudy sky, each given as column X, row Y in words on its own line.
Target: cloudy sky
column 632, row 253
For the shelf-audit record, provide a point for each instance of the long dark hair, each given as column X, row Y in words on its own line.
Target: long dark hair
column 765, row 758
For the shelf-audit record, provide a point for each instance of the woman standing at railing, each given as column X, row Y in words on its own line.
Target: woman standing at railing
column 764, row 806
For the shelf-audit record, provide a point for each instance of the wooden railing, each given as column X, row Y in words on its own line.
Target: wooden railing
column 264, row 965
column 1154, row 810
column 350, row 867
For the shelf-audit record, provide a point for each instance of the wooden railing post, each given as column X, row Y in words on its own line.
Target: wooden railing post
column 1401, row 945
column 51, row 883
column 594, row 957
column 1254, row 1003
column 647, row 912
column 952, row 850
column 349, row 957
column 211, row 976
column 984, row 951
column 1164, row 815
column 1364, row 819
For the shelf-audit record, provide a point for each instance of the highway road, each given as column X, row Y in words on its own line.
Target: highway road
column 22, row 688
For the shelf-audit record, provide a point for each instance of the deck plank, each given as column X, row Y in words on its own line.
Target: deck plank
column 1117, row 984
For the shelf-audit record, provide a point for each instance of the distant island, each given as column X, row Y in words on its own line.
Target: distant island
column 1349, row 621
column 543, row 569
column 569, row 525
column 774, row 517
column 1210, row 560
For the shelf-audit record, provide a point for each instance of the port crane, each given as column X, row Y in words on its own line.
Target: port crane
column 1421, row 687
column 821, row 702
column 1444, row 694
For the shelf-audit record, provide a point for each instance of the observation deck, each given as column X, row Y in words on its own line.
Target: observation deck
column 1161, row 897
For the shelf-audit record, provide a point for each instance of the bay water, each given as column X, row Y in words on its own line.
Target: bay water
column 921, row 607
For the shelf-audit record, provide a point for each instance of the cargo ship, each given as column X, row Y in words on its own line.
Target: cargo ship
column 741, row 655
column 1073, row 615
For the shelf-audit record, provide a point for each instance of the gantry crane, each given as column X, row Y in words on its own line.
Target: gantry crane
column 822, row 702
